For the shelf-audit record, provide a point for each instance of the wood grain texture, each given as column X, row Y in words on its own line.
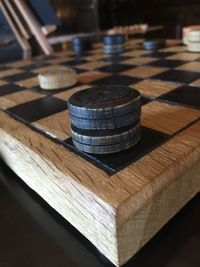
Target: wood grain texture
column 158, row 192
column 66, row 94
column 139, row 61
column 154, row 88
column 14, row 99
column 184, row 56
column 57, row 126
column 110, row 211
column 90, row 76
column 10, row 72
column 167, row 118
column 93, row 65
column 144, row 71
column 191, row 66
column 29, row 83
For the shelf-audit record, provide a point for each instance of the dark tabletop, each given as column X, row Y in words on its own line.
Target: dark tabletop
column 34, row 235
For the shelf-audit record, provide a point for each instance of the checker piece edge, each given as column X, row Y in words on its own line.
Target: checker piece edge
column 105, row 107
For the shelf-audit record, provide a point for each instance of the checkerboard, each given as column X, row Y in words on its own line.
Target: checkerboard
column 168, row 79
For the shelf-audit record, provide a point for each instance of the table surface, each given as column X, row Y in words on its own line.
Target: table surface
column 32, row 234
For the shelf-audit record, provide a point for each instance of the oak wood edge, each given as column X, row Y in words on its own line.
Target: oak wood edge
column 89, row 214
column 119, row 209
column 143, row 225
column 150, row 190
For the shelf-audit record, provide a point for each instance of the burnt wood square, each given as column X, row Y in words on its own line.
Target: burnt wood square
column 18, row 77
column 10, row 88
column 178, row 76
column 186, row 95
column 38, row 109
column 116, row 80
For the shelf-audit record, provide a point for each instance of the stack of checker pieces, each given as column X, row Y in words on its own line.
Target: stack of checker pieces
column 105, row 119
column 168, row 79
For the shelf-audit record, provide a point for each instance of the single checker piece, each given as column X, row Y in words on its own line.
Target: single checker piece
column 57, row 78
column 153, row 44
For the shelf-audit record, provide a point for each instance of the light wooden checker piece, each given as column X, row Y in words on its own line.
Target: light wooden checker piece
column 114, row 208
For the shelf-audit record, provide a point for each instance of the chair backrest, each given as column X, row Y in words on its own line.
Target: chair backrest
column 24, row 25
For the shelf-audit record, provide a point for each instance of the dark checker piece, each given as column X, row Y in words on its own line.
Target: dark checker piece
column 106, row 107
column 104, row 142
column 114, row 43
column 81, row 44
column 153, row 44
column 102, row 137
column 115, row 39
column 186, row 95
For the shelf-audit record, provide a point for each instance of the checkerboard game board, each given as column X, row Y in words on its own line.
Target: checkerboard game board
column 113, row 187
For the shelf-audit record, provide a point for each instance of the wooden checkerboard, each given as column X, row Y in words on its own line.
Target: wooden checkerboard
column 117, row 201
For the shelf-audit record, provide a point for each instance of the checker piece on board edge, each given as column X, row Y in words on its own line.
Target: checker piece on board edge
column 114, row 43
column 58, row 78
column 105, row 119
column 153, row 44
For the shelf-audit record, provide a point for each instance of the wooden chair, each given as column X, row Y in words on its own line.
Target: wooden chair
column 24, row 25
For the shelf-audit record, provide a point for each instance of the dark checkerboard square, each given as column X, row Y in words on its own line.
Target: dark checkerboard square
column 74, row 62
column 38, row 89
column 19, row 76
column 44, row 58
column 78, row 70
column 167, row 63
column 38, row 109
column 115, row 68
column 178, row 76
column 35, row 65
column 159, row 54
column 116, row 80
column 115, row 58
column 9, row 89
column 115, row 162
column 186, row 95
column 145, row 100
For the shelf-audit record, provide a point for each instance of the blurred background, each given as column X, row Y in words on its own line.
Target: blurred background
column 90, row 16
column 74, row 16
